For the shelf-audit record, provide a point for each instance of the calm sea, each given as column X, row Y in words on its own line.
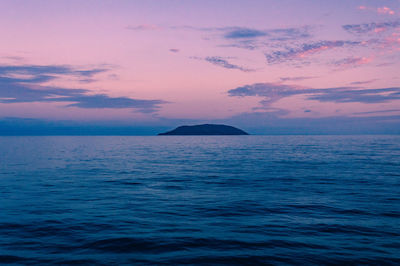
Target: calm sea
column 200, row 200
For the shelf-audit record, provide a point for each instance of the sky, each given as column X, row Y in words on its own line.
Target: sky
column 137, row 67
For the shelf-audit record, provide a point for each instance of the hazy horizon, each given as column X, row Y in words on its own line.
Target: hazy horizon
column 36, row 127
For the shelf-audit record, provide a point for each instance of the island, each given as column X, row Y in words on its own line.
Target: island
column 206, row 129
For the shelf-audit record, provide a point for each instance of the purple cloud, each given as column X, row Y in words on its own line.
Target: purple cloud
column 272, row 92
column 371, row 27
column 351, row 62
column 14, row 89
column 241, row 33
column 219, row 61
column 295, row 78
column 305, row 50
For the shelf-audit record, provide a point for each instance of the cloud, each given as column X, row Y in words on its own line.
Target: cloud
column 144, row 27
column 363, row 82
column 251, row 39
column 385, row 64
column 272, row 92
column 248, row 44
column 90, row 72
column 390, row 42
column 380, row 10
column 13, row 58
column 16, row 93
column 385, row 10
column 351, row 62
column 49, row 69
column 384, row 36
column 279, row 34
column 22, row 84
column 295, row 78
column 220, row 61
column 174, row 50
column 271, row 123
column 349, row 94
column 104, row 101
column 305, row 50
column 286, row 34
column 243, row 33
column 40, row 74
column 375, row 27
column 377, row 112
column 13, row 92
column 240, row 33
column 239, row 37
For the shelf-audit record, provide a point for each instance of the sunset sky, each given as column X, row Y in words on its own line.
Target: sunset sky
column 266, row 66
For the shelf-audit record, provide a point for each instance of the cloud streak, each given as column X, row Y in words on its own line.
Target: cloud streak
column 376, row 27
column 242, row 33
column 351, row 62
column 284, row 79
column 239, row 33
column 22, row 84
column 279, row 34
column 144, row 27
column 220, row 61
column 377, row 112
column 251, row 39
column 272, row 92
column 363, row 82
column 380, row 10
column 305, row 50
column 49, row 70
column 41, row 74
column 385, row 10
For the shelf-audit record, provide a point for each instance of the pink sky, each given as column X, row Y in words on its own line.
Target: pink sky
column 190, row 60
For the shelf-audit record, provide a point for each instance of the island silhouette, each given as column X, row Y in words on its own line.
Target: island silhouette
column 205, row 129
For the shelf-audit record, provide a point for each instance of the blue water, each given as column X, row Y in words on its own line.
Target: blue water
column 200, row 200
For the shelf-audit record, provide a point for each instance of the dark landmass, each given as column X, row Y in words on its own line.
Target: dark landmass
column 206, row 129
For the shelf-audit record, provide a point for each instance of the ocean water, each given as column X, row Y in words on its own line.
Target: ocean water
column 211, row 200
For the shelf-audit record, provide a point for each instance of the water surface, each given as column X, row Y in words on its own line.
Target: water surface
column 200, row 200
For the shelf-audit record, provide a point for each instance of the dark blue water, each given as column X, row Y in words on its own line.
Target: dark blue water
column 200, row 200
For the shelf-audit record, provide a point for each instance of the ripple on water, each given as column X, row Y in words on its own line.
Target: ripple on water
column 200, row 200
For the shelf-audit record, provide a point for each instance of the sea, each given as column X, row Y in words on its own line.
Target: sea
column 200, row 200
